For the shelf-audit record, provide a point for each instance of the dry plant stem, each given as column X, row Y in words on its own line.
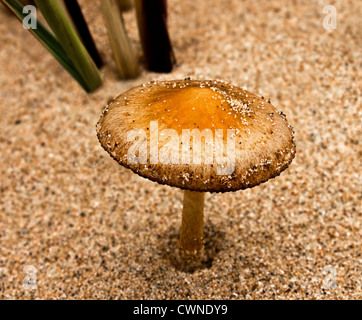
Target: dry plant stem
column 125, row 5
column 156, row 43
column 126, row 61
column 81, row 26
column 28, row 2
column 192, row 233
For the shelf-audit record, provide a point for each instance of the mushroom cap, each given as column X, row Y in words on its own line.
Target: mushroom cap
column 262, row 138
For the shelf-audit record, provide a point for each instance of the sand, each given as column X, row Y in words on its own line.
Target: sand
column 92, row 229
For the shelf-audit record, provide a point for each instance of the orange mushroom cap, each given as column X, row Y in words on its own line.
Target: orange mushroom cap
column 261, row 138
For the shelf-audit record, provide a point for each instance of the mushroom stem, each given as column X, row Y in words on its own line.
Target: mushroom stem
column 192, row 233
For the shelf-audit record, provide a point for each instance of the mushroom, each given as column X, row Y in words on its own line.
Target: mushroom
column 157, row 130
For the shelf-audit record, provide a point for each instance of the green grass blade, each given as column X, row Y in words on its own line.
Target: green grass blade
column 48, row 40
column 68, row 38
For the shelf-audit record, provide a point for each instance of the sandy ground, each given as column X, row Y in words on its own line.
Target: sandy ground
column 93, row 229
